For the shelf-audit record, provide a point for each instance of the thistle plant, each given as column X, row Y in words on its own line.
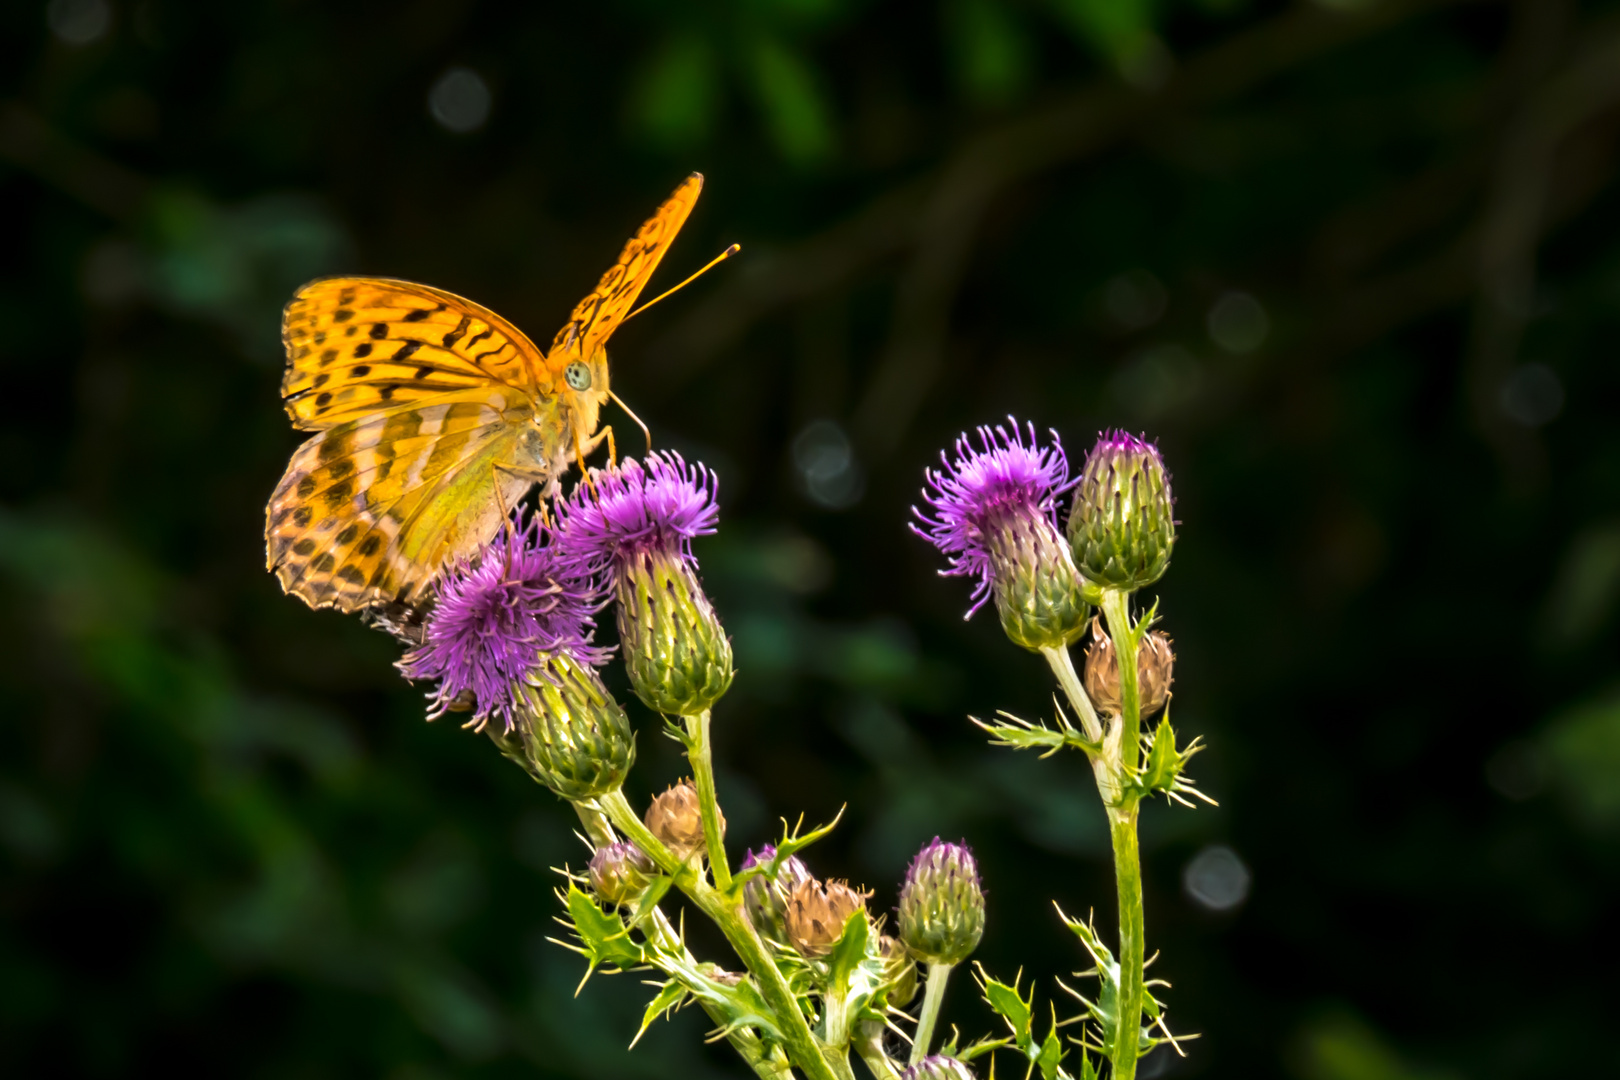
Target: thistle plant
column 817, row 971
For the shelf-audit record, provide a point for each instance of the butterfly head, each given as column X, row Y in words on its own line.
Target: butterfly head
column 582, row 385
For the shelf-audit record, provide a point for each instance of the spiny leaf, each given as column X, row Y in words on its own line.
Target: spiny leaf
column 1050, row 1053
column 791, row 844
column 669, row 998
column 1011, row 1006
column 603, row 935
column 1023, row 735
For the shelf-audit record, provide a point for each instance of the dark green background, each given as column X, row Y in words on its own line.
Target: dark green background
column 231, row 844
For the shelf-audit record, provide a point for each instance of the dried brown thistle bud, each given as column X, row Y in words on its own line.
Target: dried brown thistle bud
column 1155, row 668
column 816, row 914
column 675, row 819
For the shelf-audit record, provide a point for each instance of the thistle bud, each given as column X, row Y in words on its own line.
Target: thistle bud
column 675, row 650
column 1155, row 669
column 942, row 904
column 816, row 915
column 993, row 514
column 576, row 738
column 1122, row 526
column 765, row 900
column 899, row 971
column 636, row 522
column 937, row 1067
column 675, row 817
column 620, row 873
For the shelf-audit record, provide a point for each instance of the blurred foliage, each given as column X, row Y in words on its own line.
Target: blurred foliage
column 1352, row 261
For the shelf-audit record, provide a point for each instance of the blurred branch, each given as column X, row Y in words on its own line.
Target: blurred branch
column 937, row 219
column 26, row 140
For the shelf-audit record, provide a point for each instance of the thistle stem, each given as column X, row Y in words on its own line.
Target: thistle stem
column 933, row 997
column 1126, row 1039
column 698, row 752
column 869, row 1045
column 802, row 1047
column 1062, row 665
column 596, row 824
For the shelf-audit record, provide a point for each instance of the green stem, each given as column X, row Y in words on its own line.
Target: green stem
column 1126, row 1040
column 933, row 997
column 702, row 758
column 1116, row 607
column 1132, row 934
column 869, row 1045
column 1103, row 765
column 596, row 824
column 801, row 1043
column 1062, row 665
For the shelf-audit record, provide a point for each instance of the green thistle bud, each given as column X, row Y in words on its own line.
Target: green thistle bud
column 676, row 818
column 575, row 738
column 620, row 873
column 765, row 900
column 1122, row 526
column 675, row 649
column 1036, row 587
column 942, row 904
column 899, row 971
column 938, row 1067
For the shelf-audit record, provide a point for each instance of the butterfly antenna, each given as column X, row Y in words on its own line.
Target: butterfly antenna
column 620, row 403
column 716, row 261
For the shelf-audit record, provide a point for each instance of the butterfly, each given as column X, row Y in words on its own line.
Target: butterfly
column 434, row 415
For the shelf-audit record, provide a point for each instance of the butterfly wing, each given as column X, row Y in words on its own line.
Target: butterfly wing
column 371, row 509
column 600, row 313
column 359, row 345
column 433, row 413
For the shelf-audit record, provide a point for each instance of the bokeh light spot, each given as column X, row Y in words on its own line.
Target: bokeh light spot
column 78, row 22
column 460, row 100
column 1216, row 878
column 828, row 471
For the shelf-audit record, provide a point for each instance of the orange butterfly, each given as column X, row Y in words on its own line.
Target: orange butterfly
column 434, row 414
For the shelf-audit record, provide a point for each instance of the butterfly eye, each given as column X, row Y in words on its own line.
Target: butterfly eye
column 578, row 375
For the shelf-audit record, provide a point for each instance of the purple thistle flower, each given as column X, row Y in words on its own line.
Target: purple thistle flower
column 493, row 617
column 635, row 508
column 633, row 526
column 1001, row 479
column 1122, row 526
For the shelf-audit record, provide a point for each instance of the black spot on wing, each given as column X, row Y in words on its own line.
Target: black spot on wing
column 362, row 351
column 458, row 333
column 379, row 330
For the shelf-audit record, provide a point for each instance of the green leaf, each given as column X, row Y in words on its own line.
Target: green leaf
column 1012, row 1008
column 1050, row 1053
column 1163, row 764
column 1023, row 735
column 791, row 844
column 668, row 999
column 848, row 953
column 604, row 939
column 649, row 899
column 978, row 1049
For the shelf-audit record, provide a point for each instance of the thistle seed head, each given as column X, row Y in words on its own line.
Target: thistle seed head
column 675, row 817
column 817, row 914
column 1155, row 670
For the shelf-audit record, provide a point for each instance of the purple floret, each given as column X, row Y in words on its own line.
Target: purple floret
column 939, row 857
column 1002, row 475
column 495, row 613
column 659, row 505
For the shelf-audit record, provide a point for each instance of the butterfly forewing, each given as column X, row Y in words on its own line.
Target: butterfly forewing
column 359, row 345
column 600, row 313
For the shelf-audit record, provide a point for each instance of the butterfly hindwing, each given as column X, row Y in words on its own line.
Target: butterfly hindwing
column 369, row 510
column 359, row 345
column 600, row 313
